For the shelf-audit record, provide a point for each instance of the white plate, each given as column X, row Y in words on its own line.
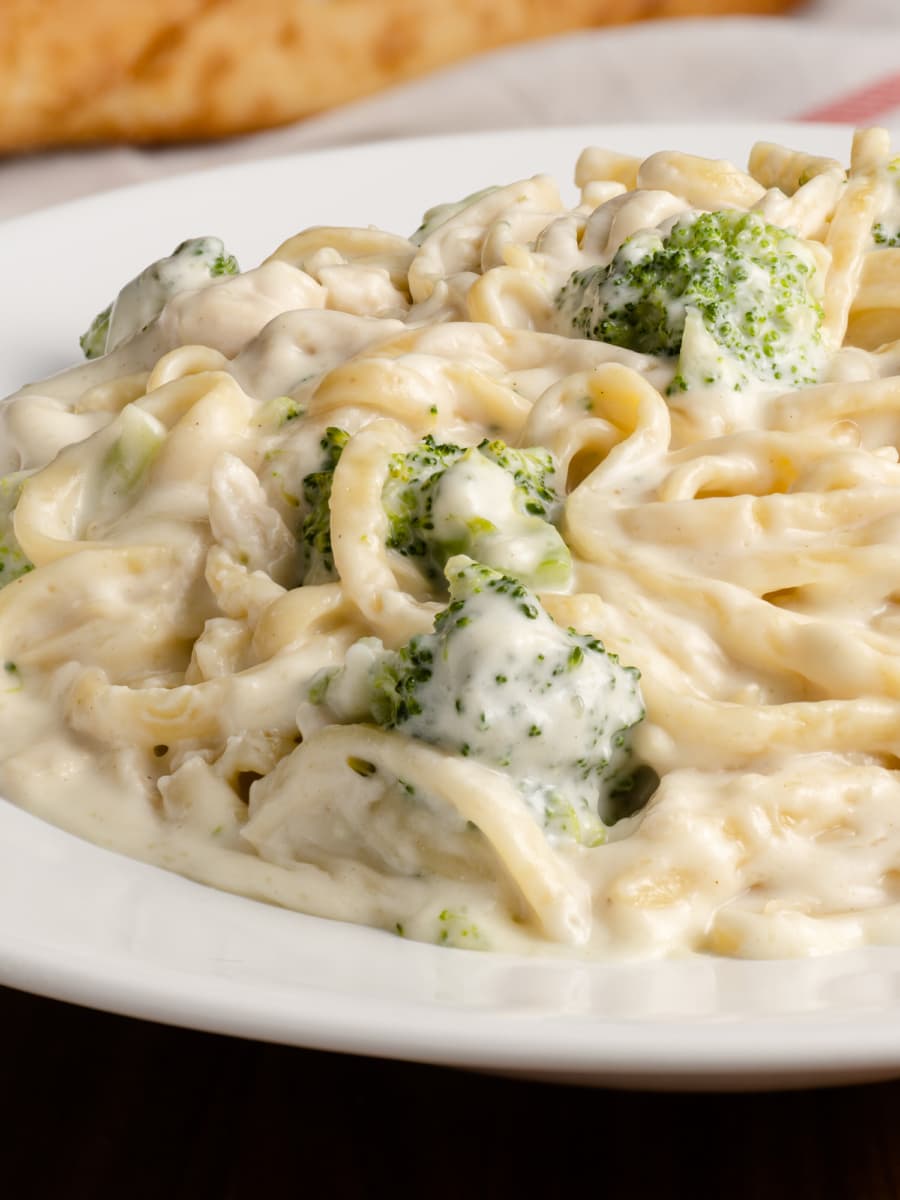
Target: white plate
column 90, row 926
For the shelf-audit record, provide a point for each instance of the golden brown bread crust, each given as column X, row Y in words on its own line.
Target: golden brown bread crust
column 164, row 70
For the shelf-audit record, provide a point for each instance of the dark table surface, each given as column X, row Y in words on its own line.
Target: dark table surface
column 96, row 1105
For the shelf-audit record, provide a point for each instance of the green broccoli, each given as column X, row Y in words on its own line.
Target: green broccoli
column 886, row 230
column 455, row 928
column 492, row 502
column 126, row 463
column 193, row 264
column 278, row 412
column 736, row 298
column 13, row 560
column 499, row 681
column 93, row 342
column 435, row 217
column 889, row 239
column 317, row 565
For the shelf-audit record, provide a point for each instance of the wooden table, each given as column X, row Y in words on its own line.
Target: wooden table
column 93, row 1105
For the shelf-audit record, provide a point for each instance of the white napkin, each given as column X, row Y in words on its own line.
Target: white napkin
column 834, row 60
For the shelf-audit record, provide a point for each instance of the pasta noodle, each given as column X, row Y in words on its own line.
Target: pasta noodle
column 528, row 583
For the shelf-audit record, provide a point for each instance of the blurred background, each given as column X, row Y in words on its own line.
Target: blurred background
column 95, row 93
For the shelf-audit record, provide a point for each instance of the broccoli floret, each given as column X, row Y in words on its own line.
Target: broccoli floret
column 534, row 474
column 193, row 264
column 491, row 502
column 886, row 230
column 317, row 563
column 499, row 681
column 435, row 217
column 736, row 298
column 13, row 560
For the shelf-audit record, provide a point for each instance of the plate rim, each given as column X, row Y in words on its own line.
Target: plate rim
column 823, row 1049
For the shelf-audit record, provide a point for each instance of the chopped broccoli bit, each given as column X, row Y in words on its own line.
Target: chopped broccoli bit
column 128, row 459
column 278, row 412
column 491, row 502
column 736, row 298
column 456, row 929
column 435, row 217
column 315, row 533
column 13, row 681
column 885, row 237
column 13, row 560
column 93, row 342
column 213, row 255
column 558, row 725
column 193, row 264
column 886, row 230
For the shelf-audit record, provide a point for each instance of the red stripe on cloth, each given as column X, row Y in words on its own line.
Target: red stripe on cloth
column 862, row 105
